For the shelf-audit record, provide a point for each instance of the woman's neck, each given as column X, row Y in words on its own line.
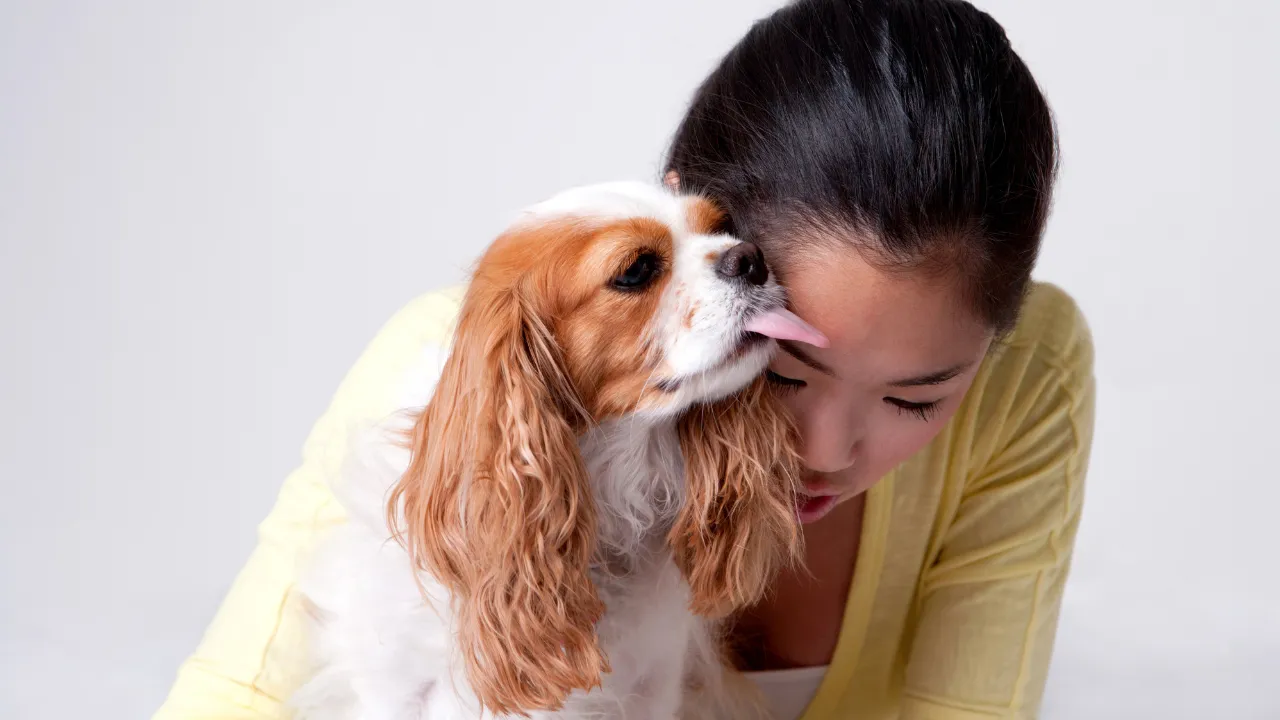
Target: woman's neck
column 798, row 625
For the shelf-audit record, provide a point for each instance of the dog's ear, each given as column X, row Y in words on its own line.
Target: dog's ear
column 496, row 506
column 738, row 525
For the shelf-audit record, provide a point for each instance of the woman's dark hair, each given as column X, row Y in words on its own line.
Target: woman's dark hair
column 909, row 126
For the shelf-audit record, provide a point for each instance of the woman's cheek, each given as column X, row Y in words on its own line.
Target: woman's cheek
column 896, row 440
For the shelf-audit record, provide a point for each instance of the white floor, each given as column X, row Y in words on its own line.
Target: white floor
column 206, row 209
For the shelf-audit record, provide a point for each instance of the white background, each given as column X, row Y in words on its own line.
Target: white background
column 208, row 208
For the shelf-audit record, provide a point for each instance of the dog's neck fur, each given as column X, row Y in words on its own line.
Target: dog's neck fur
column 637, row 480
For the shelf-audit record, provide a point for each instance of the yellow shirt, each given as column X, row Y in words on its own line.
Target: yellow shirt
column 965, row 547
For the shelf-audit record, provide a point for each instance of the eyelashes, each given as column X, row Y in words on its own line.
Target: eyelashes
column 783, row 384
column 924, row 411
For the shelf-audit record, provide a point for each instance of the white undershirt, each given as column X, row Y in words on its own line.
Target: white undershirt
column 788, row 691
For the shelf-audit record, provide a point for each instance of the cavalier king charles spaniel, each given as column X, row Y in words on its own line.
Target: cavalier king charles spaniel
column 598, row 479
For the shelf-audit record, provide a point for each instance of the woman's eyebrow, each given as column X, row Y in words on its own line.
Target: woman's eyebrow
column 936, row 378
column 796, row 352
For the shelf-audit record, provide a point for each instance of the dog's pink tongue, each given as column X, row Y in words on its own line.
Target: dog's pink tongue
column 785, row 325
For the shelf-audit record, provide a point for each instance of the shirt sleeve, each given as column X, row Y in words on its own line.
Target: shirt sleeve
column 252, row 655
column 988, row 604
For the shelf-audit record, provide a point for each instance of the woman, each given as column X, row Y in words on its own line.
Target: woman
column 895, row 160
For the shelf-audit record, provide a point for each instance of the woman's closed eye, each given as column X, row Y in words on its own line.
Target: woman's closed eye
column 924, row 410
column 785, row 384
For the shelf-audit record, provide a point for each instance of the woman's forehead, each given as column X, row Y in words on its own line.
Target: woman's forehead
column 883, row 320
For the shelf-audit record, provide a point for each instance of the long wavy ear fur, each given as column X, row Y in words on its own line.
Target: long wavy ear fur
column 738, row 524
column 495, row 505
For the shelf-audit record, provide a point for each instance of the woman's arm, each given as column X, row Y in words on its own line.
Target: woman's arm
column 988, row 605
column 252, row 656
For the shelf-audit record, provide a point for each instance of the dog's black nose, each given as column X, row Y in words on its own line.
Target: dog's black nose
column 743, row 261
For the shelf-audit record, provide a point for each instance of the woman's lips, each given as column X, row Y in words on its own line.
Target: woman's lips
column 811, row 508
column 818, row 494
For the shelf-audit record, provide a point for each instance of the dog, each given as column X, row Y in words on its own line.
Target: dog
column 598, row 479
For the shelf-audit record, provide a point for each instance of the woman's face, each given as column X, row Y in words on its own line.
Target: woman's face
column 904, row 350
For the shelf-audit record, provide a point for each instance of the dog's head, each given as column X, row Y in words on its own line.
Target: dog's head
column 603, row 302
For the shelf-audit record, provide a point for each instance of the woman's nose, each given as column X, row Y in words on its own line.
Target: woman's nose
column 827, row 446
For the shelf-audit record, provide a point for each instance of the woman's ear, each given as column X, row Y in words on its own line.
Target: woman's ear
column 496, row 506
column 738, row 526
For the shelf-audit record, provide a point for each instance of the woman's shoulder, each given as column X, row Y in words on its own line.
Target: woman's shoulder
column 428, row 317
column 1052, row 331
column 1038, row 380
column 383, row 375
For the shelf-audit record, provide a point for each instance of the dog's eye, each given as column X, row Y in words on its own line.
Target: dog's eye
column 639, row 274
